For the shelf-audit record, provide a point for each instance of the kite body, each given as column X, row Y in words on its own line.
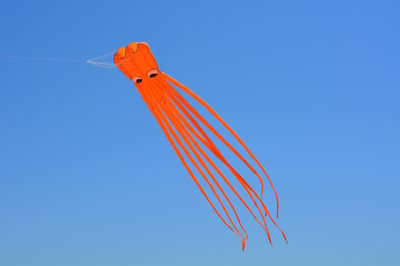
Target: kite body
column 190, row 134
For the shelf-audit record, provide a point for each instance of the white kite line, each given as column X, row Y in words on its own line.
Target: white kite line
column 103, row 61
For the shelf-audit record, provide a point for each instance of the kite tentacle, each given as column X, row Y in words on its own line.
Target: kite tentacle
column 215, row 114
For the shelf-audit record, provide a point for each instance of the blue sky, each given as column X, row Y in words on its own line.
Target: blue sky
column 87, row 177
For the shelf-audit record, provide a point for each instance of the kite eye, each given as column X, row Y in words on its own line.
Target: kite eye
column 152, row 73
column 137, row 79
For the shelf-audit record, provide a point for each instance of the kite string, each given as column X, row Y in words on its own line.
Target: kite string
column 93, row 61
column 41, row 58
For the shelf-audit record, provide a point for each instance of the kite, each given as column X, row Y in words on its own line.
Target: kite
column 193, row 138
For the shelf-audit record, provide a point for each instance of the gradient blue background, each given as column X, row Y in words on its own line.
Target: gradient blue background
column 87, row 177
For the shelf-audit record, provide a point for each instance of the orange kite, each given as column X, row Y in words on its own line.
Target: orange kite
column 186, row 129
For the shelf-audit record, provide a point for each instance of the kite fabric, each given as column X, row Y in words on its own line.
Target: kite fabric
column 185, row 128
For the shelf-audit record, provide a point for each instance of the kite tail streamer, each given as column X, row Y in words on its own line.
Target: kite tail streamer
column 179, row 122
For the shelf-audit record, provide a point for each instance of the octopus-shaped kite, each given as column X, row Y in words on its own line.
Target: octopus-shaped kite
column 186, row 129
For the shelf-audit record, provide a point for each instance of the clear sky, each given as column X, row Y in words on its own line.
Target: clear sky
column 87, row 178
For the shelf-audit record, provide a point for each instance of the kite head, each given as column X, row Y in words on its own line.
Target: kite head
column 137, row 62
